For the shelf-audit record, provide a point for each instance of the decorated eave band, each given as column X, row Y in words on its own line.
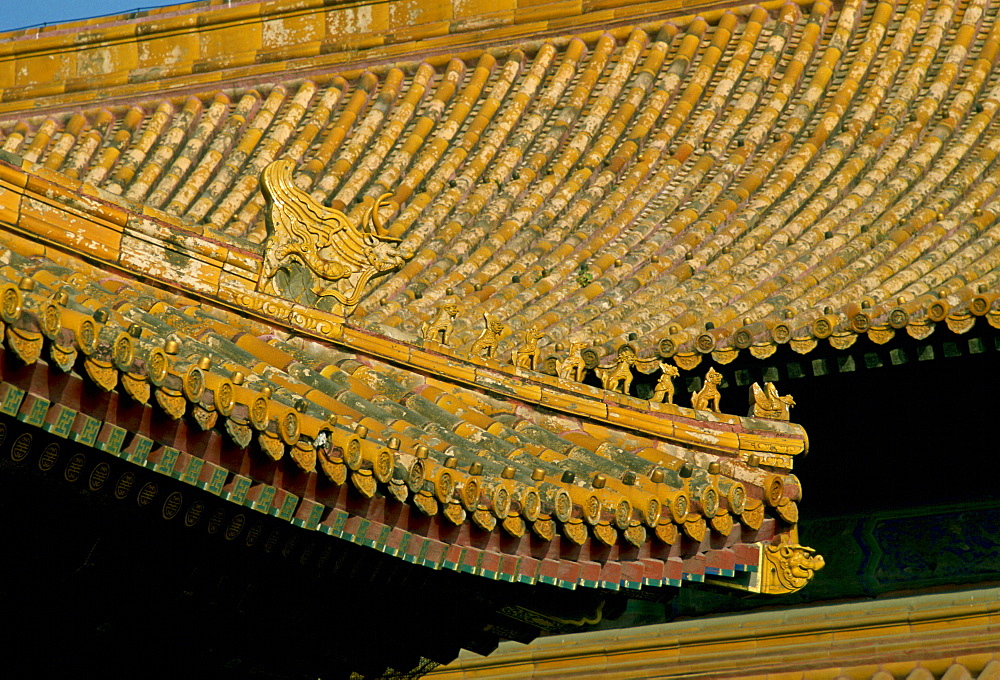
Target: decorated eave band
column 662, row 506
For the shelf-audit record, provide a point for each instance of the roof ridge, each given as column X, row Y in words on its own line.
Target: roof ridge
column 181, row 46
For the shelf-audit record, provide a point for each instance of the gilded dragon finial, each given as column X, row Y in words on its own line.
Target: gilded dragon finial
column 313, row 252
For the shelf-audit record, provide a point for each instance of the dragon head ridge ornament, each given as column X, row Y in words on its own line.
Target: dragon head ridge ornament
column 313, row 254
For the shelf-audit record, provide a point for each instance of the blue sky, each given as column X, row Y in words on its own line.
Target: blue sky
column 21, row 13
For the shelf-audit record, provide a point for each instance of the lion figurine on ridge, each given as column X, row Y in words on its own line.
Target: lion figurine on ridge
column 707, row 398
column 486, row 344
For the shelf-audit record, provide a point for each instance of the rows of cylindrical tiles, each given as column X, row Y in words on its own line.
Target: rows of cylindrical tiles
column 449, row 452
column 792, row 176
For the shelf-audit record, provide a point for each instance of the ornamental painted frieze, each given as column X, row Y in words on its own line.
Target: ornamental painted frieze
column 313, row 254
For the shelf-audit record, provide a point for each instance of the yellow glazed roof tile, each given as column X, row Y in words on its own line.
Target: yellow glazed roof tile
column 343, row 417
column 652, row 198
